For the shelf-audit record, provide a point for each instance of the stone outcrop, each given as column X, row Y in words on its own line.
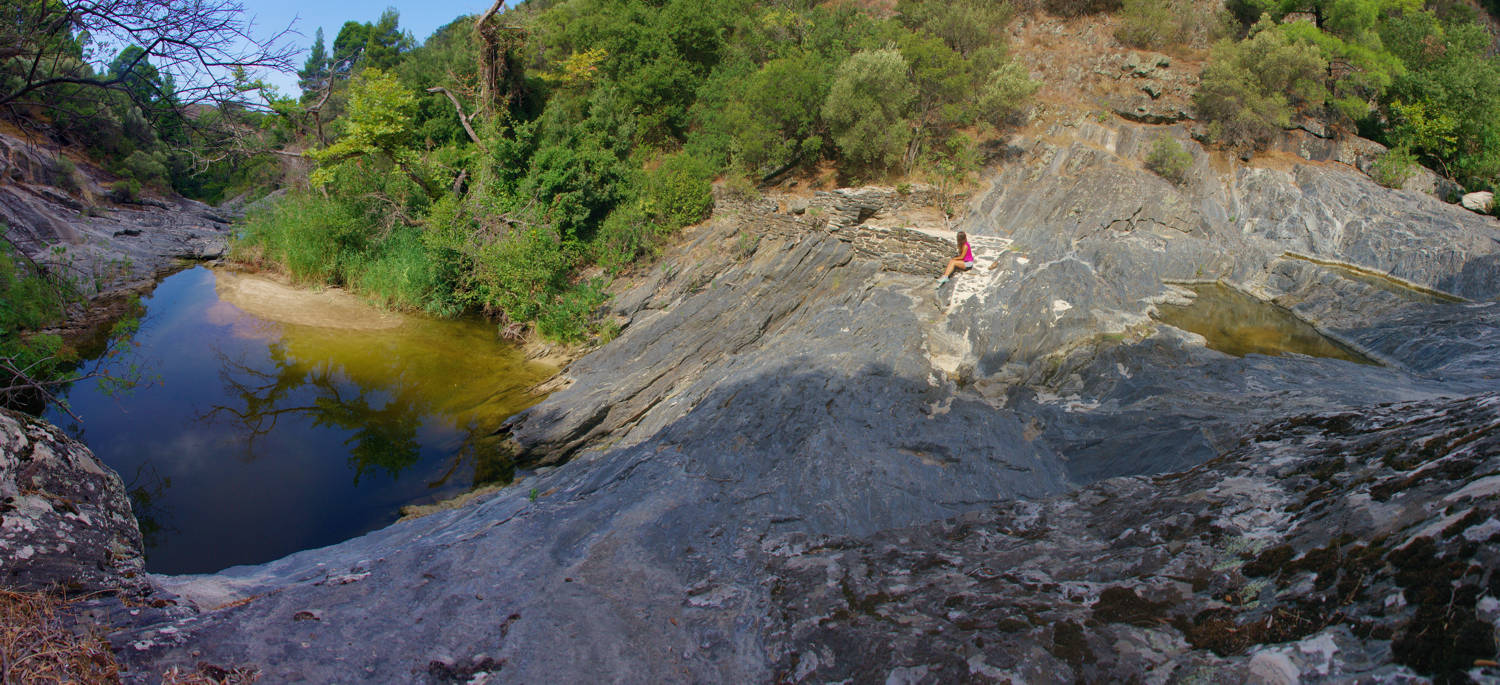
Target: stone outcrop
column 729, row 490
column 65, row 520
column 101, row 245
column 1331, row 547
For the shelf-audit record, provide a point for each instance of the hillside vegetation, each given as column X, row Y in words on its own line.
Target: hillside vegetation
column 512, row 162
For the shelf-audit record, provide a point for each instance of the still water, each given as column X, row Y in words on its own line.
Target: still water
column 1238, row 324
column 310, row 421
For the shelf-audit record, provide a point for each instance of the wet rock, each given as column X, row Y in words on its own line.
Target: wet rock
column 65, row 520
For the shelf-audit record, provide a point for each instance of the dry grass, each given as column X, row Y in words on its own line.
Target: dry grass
column 210, row 675
column 37, row 647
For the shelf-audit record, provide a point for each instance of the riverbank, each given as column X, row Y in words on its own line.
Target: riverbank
column 765, row 407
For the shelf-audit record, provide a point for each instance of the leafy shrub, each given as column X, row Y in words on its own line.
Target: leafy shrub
column 65, row 174
column 28, row 301
column 1147, row 23
column 1394, row 167
column 569, row 315
column 125, row 190
column 1076, row 8
column 145, row 168
column 1169, row 160
column 866, row 108
column 1006, row 92
column 1155, row 24
column 1249, row 89
column 679, row 191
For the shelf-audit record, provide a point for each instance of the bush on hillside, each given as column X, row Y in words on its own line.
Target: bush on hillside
column 1156, row 24
column 1007, row 92
column 1394, row 167
column 1076, row 8
column 1169, row 160
column 1250, row 89
column 866, row 108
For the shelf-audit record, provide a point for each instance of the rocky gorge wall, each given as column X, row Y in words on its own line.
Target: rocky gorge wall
column 802, row 461
column 61, row 215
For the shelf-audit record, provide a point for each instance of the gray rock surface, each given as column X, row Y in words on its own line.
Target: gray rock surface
column 1479, row 202
column 65, row 520
column 792, row 404
column 101, row 245
column 1345, row 547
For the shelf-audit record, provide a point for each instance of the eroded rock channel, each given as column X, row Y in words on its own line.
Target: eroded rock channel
column 803, row 462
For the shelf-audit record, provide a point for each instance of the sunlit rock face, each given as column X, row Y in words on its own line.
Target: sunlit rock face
column 65, row 520
column 784, row 466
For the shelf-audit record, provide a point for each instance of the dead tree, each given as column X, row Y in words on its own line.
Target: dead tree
column 499, row 72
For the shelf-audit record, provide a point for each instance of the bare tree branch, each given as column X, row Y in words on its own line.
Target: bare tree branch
column 205, row 45
column 461, row 118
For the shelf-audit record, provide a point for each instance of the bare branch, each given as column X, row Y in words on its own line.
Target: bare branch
column 461, row 118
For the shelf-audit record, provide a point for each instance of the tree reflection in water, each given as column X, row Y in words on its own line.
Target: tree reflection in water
column 382, row 419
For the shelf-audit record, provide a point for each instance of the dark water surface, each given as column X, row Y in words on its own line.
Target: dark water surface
column 253, row 439
column 1238, row 324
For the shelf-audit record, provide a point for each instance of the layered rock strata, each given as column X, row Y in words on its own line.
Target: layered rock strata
column 724, row 489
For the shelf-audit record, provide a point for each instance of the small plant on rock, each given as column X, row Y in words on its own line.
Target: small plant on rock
column 1169, row 160
column 1394, row 167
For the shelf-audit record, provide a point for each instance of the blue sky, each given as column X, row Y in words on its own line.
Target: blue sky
column 418, row 17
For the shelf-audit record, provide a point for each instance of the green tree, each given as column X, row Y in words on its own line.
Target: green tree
column 965, row 25
column 315, row 70
column 774, row 122
column 1006, row 91
column 350, row 44
column 942, row 78
column 378, row 126
column 1445, row 106
column 1249, row 89
column 385, row 41
column 867, row 105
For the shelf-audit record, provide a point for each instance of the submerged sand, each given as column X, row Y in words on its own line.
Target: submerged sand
column 274, row 300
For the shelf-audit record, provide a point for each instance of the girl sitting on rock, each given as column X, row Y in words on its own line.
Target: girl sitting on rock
column 963, row 262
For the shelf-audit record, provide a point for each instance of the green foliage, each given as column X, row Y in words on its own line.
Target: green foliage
column 28, row 301
column 866, row 108
column 1249, row 89
column 1075, row 8
column 967, row 26
column 1006, row 92
column 125, row 190
column 378, row 123
column 1155, row 24
column 679, row 191
column 773, row 122
column 1169, row 160
column 1443, row 105
column 1394, row 167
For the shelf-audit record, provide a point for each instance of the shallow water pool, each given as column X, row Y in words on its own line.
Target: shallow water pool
column 309, row 421
column 1238, row 324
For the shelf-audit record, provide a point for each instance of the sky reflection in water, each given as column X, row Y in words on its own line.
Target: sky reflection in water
column 255, row 439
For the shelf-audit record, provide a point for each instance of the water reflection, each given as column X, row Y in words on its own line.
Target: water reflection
column 265, row 437
column 1235, row 323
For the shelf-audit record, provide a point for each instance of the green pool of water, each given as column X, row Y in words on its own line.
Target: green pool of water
column 253, row 438
column 1238, row 324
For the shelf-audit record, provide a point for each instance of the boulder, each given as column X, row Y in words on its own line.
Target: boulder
column 65, row 518
column 1479, row 202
